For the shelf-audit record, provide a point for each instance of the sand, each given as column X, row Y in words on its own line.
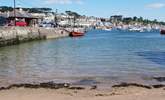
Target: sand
column 122, row 93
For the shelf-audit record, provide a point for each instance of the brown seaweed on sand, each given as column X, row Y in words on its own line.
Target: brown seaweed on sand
column 132, row 84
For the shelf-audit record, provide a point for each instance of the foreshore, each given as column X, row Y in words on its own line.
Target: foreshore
column 125, row 91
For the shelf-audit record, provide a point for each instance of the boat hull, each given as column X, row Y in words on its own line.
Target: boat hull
column 76, row 34
column 162, row 32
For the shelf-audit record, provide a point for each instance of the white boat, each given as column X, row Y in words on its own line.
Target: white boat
column 107, row 29
column 135, row 29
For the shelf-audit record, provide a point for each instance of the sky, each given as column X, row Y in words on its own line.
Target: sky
column 150, row 9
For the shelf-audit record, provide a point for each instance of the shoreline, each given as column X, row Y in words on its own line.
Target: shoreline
column 69, row 86
column 150, row 82
column 123, row 91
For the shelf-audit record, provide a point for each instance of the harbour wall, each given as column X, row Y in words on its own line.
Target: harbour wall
column 17, row 35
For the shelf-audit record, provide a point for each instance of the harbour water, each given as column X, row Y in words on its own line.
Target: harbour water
column 98, row 57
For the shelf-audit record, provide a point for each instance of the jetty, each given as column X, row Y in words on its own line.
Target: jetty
column 17, row 35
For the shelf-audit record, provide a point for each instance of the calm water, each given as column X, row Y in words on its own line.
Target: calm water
column 99, row 57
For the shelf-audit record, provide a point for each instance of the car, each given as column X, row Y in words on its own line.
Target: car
column 47, row 24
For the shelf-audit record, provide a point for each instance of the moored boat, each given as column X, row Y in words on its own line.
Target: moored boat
column 76, row 34
column 162, row 31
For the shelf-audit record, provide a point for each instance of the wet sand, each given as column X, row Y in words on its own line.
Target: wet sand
column 116, row 93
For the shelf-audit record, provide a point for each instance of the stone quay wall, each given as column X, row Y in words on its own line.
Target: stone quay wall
column 17, row 35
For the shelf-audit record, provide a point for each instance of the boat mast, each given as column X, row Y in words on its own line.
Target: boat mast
column 55, row 19
column 74, row 22
column 14, row 13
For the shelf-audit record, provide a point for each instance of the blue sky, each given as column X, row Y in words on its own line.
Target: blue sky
column 152, row 9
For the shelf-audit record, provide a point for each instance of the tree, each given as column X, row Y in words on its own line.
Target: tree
column 5, row 8
column 75, row 14
column 155, row 21
column 146, row 21
column 127, row 20
column 135, row 18
column 38, row 10
column 31, row 10
column 140, row 19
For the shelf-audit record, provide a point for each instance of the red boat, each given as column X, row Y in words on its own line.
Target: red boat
column 162, row 31
column 76, row 34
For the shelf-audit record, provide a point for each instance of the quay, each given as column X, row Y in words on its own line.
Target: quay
column 17, row 35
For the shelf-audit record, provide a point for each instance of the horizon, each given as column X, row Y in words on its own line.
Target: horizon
column 151, row 9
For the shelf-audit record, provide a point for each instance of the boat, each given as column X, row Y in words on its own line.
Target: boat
column 162, row 31
column 135, row 29
column 76, row 34
column 108, row 29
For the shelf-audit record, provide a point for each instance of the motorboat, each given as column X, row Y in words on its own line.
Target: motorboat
column 76, row 34
column 162, row 31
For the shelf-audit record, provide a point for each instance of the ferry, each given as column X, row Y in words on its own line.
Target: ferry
column 162, row 31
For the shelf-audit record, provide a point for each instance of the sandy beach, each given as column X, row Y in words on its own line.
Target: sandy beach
column 117, row 93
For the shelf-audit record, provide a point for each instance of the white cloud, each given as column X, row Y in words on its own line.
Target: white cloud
column 156, row 5
column 48, row 2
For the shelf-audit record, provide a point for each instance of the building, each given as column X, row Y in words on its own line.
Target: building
column 20, row 16
column 116, row 18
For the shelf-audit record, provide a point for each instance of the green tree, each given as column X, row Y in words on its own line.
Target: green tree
column 5, row 8
column 140, row 19
column 127, row 20
column 75, row 14
column 135, row 18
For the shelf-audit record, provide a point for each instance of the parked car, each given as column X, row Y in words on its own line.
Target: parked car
column 47, row 24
